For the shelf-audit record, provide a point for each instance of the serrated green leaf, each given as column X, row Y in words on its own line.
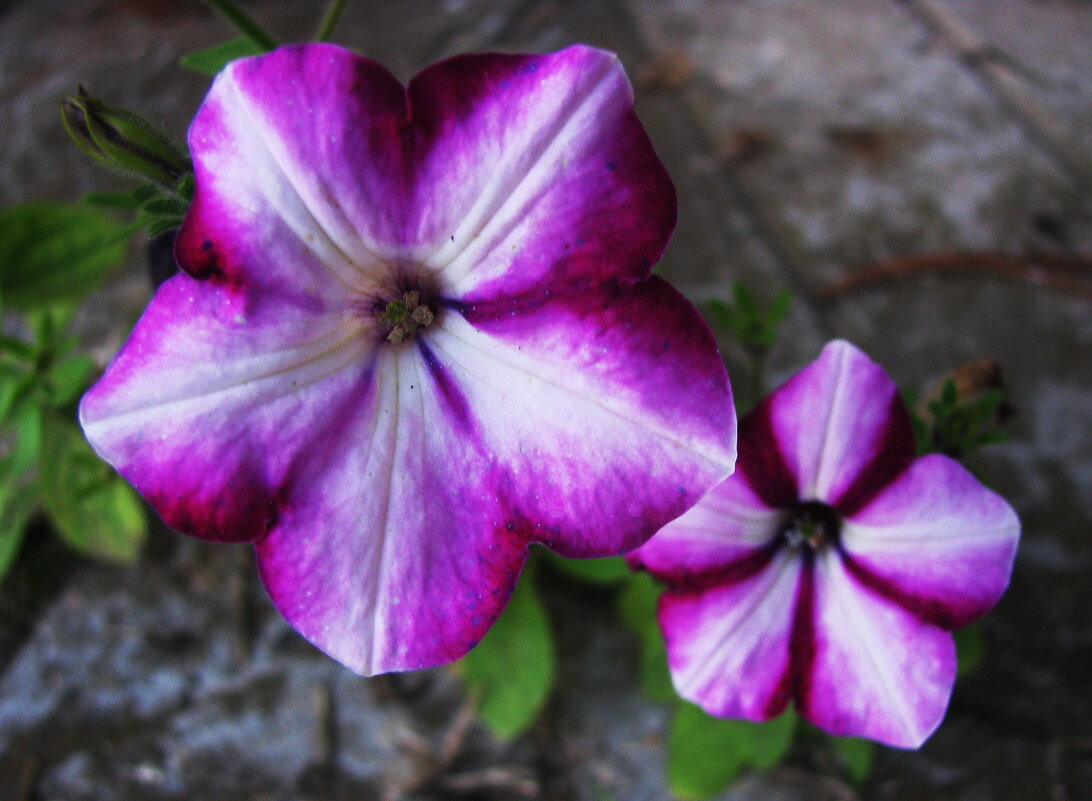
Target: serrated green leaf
column 54, row 252
column 706, row 754
column 511, row 671
column 213, row 59
column 855, row 755
column 603, row 572
column 93, row 509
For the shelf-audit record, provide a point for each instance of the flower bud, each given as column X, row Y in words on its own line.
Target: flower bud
column 122, row 140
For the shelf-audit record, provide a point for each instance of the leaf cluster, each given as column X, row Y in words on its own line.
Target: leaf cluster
column 52, row 256
column 957, row 426
column 754, row 327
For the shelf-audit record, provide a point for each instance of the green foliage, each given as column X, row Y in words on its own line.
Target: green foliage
column 92, row 507
column 958, row 426
column 54, row 253
column 609, row 572
column 755, row 329
column 211, row 60
column 637, row 607
column 970, row 648
column 855, row 756
column 242, row 22
column 706, row 754
column 51, row 256
column 511, row 671
column 746, row 321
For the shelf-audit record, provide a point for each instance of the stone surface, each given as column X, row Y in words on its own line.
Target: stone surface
column 809, row 141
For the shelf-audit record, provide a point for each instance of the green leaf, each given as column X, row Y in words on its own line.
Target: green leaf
column 128, row 200
column 604, row 572
column 512, row 670
column 18, row 500
column 970, row 648
column 165, row 206
column 706, row 754
column 68, row 379
column 779, row 308
column 214, row 59
column 637, row 607
column 855, row 755
column 26, row 419
column 163, row 224
column 93, row 508
column 54, row 252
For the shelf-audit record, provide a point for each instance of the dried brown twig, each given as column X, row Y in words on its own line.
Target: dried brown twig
column 1071, row 274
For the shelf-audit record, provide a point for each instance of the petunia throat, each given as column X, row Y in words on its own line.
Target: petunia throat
column 813, row 523
column 405, row 316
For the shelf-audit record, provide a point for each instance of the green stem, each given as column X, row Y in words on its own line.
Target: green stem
column 329, row 20
column 243, row 23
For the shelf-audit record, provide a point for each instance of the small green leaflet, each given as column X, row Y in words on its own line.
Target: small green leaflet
column 511, row 671
column 706, row 754
column 52, row 253
column 92, row 507
column 214, row 59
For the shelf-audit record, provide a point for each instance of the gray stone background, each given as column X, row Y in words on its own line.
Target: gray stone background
column 938, row 149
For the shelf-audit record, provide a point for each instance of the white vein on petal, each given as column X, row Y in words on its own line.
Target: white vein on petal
column 334, row 250
column 863, row 637
column 492, row 208
column 156, row 409
column 860, row 538
column 666, row 432
column 375, row 642
column 768, row 582
column 820, row 480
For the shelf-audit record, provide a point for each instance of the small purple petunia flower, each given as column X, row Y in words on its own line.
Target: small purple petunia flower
column 416, row 332
column 831, row 567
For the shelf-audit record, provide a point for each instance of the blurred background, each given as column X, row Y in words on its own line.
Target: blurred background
column 918, row 174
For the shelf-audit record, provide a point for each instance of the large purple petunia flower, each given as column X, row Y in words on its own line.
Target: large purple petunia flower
column 831, row 567
column 416, row 331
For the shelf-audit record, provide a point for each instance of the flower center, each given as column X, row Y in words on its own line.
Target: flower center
column 405, row 316
column 812, row 523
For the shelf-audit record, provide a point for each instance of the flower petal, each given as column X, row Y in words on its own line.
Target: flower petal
column 412, row 518
column 301, row 172
column 878, row 671
column 611, row 408
column 539, row 176
column 728, row 646
column 841, row 427
column 212, row 398
column 936, row 542
column 397, row 547
column 729, row 529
